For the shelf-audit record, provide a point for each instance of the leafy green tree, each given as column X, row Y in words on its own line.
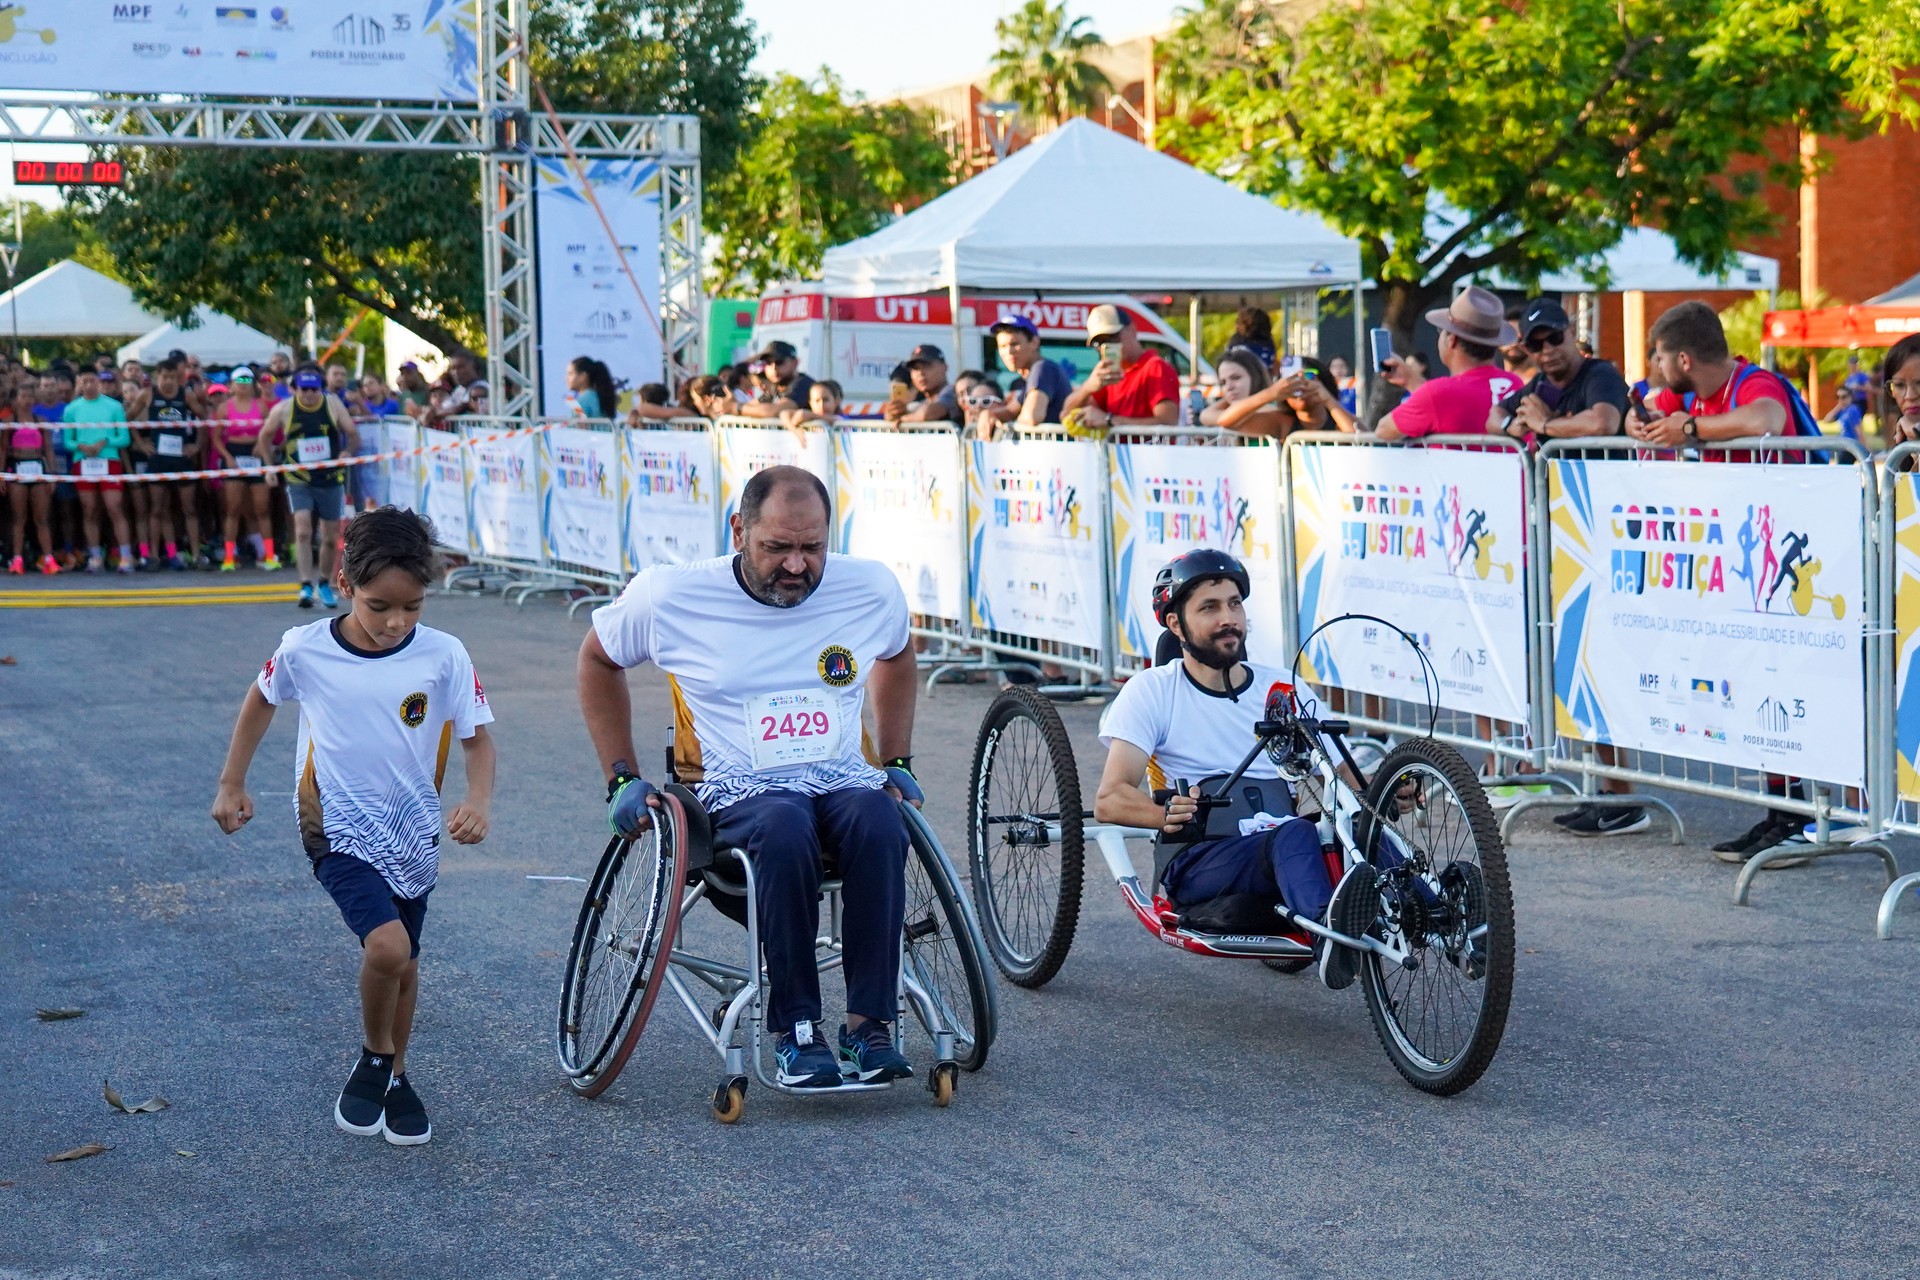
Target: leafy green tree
column 822, row 168
column 1043, row 64
column 51, row 235
column 1549, row 129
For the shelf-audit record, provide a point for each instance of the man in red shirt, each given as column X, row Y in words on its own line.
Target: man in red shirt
column 1132, row 386
column 1472, row 331
column 1729, row 402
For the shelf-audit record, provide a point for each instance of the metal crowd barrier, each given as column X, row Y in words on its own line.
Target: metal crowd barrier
column 1896, row 749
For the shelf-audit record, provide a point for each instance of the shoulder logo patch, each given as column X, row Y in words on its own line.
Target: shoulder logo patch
column 413, row 710
column 837, row 667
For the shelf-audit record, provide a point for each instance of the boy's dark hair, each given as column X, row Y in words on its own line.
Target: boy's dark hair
column 389, row 538
column 652, row 393
column 1692, row 327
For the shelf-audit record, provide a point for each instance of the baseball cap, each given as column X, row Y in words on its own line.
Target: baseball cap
column 1544, row 313
column 107, row 375
column 408, row 364
column 478, row 387
column 777, row 351
column 1014, row 324
column 1104, row 321
column 241, row 373
column 217, row 389
column 925, row 353
column 308, row 380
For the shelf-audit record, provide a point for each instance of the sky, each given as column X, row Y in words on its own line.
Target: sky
column 879, row 47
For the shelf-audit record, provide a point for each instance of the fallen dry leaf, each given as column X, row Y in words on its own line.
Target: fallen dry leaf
column 80, row 1152
column 114, row 1100
column 5, row 1185
column 58, row 1015
column 9, row 661
column 188, row 1154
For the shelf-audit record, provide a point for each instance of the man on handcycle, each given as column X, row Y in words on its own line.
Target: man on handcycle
column 1194, row 719
column 769, row 654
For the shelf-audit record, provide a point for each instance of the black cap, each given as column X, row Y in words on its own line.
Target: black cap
column 777, row 352
column 925, row 352
column 1544, row 313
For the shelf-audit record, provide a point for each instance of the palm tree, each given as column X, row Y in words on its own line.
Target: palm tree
column 1042, row 63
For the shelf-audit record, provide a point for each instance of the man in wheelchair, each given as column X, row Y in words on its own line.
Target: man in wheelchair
column 1194, row 719
column 770, row 653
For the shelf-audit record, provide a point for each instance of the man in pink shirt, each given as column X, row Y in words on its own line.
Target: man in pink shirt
column 1472, row 331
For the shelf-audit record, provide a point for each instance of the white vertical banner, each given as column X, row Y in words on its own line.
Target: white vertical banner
column 900, row 501
column 443, row 488
column 503, row 495
column 1033, row 516
column 588, row 305
column 403, row 473
column 580, row 496
column 745, row 450
column 667, row 483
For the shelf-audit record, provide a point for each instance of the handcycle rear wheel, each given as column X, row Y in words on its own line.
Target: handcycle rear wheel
column 621, row 941
column 1446, row 896
column 941, row 948
column 1026, row 836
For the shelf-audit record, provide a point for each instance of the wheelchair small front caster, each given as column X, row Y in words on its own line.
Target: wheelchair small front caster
column 941, row 1083
column 730, row 1100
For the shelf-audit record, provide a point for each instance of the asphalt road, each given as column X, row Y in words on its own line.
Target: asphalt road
column 1686, row 1087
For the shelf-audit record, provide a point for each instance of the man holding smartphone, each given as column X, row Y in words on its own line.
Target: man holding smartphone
column 1472, row 331
column 1132, row 386
column 1573, row 394
column 783, row 388
column 934, row 400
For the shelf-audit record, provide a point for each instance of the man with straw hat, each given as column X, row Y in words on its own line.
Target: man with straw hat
column 1472, row 331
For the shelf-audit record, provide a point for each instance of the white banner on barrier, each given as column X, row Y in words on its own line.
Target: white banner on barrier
column 745, row 450
column 331, row 50
column 403, row 474
column 899, row 501
column 668, row 483
column 443, row 488
column 503, row 498
column 1170, row 499
column 1033, row 539
column 580, row 504
column 1431, row 541
column 1905, row 552
column 1711, row 611
column 588, row 306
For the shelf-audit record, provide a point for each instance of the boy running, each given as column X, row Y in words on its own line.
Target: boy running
column 381, row 699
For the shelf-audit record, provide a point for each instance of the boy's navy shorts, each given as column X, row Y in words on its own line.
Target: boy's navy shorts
column 366, row 900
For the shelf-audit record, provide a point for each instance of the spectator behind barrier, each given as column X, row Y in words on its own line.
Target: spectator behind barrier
column 1040, row 388
column 823, row 406
column 1344, row 383
column 1248, row 396
column 710, row 397
column 1132, row 386
column 1514, row 355
column 1253, row 333
column 1573, row 394
column 413, row 390
column 1900, row 375
column 935, row 399
column 1710, row 394
column 1471, row 335
column 374, row 395
column 650, row 404
column 782, row 386
column 980, row 396
column 590, row 389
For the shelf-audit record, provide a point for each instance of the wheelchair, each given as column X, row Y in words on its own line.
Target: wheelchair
column 626, row 950
column 1437, row 958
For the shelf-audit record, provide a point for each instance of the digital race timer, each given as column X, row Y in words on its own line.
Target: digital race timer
column 67, row 173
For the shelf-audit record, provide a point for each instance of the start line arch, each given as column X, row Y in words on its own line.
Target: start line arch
column 503, row 129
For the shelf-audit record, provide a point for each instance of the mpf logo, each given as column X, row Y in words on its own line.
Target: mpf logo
column 133, row 13
column 1649, row 682
column 359, row 29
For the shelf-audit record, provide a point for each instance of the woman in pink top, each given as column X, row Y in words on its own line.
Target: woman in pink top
column 29, row 452
column 240, row 420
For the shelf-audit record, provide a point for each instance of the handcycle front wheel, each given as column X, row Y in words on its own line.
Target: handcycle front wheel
column 941, row 947
column 1434, row 844
column 621, row 942
column 1026, row 836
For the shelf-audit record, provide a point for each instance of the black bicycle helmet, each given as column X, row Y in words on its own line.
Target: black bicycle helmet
column 1179, row 576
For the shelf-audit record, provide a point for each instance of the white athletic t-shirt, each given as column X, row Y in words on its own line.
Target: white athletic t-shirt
column 764, row 698
column 1189, row 732
column 375, row 729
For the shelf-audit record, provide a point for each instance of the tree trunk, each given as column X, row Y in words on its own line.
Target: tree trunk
column 1404, row 303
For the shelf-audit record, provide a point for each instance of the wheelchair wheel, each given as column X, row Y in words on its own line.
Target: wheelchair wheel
column 941, row 948
column 1445, row 895
column 620, row 947
column 1025, row 836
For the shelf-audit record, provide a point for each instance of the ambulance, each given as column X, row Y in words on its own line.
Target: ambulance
column 858, row 342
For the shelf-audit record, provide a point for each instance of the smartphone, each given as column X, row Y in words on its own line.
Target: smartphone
column 1640, row 409
column 900, row 393
column 1290, row 367
column 1382, row 343
column 1109, row 353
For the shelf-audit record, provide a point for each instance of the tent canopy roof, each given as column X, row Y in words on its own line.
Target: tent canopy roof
column 215, row 339
column 1904, row 294
column 69, row 300
column 1645, row 260
column 1086, row 209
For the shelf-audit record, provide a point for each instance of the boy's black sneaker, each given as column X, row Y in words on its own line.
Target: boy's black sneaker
column 1764, row 834
column 363, row 1101
column 870, row 1055
column 406, row 1120
column 1599, row 820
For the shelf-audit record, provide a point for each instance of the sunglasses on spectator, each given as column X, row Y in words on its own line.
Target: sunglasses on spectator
column 1551, row 338
column 981, row 402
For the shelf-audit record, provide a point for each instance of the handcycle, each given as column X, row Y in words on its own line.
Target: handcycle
column 1437, row 959
column 626, row 949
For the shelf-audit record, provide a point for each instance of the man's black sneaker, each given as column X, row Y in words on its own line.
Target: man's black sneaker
column 1598, row 820
column 805, row 1061
column 869, row 1054
column 1571, row 816
column 406, row 1120
column 364, row 1099
column 1352, row 910
column 1764, row 834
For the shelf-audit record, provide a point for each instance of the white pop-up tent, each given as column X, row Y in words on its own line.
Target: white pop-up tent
column 1648, row 261
column 214, row 338
column 1088, row 210
column 69, row 300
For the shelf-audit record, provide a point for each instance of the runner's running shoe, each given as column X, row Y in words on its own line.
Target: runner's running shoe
column 95, row 564
column 306, row 595
column 1599, row 820
column 228, row 566
column 805, row 1062
column 270, row 565
column 405, row 1123
column 1764, row 834
column 17, row 565
column 869, row 1054
column 362, row 1100
column 49, row 566
column 327, row 599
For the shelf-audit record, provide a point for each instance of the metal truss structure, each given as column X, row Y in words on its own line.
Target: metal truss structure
column 502, row 129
